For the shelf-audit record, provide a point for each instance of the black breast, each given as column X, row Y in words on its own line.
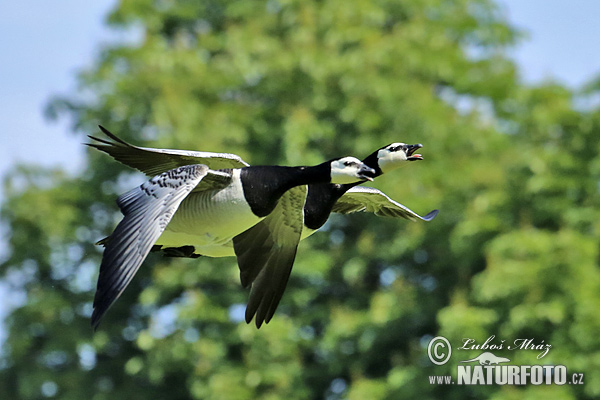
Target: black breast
column 263, row 187
column 319, row 203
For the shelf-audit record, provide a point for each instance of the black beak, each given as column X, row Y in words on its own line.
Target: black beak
column 410, row 149
column 366, row 173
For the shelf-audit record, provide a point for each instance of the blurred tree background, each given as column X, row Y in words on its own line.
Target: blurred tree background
column 514, row 170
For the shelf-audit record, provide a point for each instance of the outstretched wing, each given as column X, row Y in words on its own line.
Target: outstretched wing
column 266, row 254
column 361, row 198
column 147, row 210
column 156, row 161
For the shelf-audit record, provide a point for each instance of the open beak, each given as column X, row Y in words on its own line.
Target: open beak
column 410, row 152
column 366, row 173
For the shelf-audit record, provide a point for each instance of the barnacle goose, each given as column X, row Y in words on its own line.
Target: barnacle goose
column 197, row 204
column 296, row 211
column 266, row 251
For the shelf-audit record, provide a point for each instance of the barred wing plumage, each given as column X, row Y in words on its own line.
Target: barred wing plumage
column 367, row 199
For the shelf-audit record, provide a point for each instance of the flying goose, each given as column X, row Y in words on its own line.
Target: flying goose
column 200, row 206
column 296, row 208
column 266, row 251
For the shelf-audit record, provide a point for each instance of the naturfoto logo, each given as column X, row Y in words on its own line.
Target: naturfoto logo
column 491, row 369
column 487, row 359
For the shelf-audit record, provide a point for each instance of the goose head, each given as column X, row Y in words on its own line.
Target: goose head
column 392, row 156
column 349, row 170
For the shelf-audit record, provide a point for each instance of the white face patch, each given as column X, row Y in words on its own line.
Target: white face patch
column 346, row 170
column 391, row 157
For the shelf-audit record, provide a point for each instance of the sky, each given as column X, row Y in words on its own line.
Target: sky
column 44, row 43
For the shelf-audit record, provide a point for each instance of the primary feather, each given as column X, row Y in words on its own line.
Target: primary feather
column 156, row 161
column 367, row 199
column 147, row 211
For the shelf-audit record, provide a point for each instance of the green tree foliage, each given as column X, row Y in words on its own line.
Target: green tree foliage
column 513, row 169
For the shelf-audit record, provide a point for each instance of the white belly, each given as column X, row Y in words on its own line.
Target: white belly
column 209, row 220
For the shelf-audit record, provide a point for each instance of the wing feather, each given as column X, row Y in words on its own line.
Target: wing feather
column 266, row 254
column 361, row 198
column 147, row 210
column 156, row 161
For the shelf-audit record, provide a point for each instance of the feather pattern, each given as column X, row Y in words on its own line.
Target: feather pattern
column 362, row 198
column 147, row 211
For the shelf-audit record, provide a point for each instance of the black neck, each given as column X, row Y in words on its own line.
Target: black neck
column 373, row 162
column 264, row 185
column 320, row 201
column 321, row 198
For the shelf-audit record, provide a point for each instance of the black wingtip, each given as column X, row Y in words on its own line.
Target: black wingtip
column 107, row 132
column 99, row 140
column 252, row 313
column 257, row 321
column 100, row 309
column 112, row 136
column 431, row 215
column 246, row 279
column 95, row 320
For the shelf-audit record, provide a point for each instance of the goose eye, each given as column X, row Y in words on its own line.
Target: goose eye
column 349, row 163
